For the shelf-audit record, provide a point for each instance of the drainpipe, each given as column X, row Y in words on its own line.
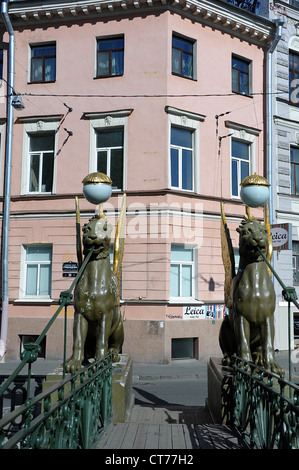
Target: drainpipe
column 279, row 25
column 7, row 180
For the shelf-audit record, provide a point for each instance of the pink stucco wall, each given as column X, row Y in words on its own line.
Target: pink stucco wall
column 146, row 275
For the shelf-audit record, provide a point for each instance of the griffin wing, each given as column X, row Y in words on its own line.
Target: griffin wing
column 119, row 246
column 228, row 259
column 78, row 235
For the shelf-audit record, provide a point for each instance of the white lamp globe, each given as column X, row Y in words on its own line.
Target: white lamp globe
column 255, row 190
column 97, row 187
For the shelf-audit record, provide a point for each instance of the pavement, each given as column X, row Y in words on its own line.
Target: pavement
column 179, row 369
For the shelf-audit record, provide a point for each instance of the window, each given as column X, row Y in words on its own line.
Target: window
column 294, row 170
column 182, row 57
column 110, row 56
column 41, row 162
column 240, row 76
column 295, row 246
column 43, row 63
column 184, row 149
column 37, row 271
column 109, row 148
column 184, row 348
column 181, row 155
column 182, row 272
column 240, row 152
column 294, row 3
column 237, row 258
column 108, row 131
column 293, row 76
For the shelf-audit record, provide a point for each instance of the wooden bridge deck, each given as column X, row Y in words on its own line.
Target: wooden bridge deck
column 154, row 427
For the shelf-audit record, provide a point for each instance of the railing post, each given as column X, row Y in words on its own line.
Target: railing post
column 65, row 299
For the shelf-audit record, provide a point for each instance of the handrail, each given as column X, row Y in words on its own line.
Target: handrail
column 31, row 349
column 264, row 407
column 75, row 411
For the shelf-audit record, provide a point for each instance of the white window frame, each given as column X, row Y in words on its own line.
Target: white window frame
column 37, row 126
column 247, row 135
column 180, row 150
column 42, row 154
column 23, row 273
column 239, row 160
column 109, row 120
column 108, row 151
column 189, row 121
column 194, row 273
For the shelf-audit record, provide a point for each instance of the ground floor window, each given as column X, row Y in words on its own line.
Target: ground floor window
column 182, row 272
column 36, row 271
column 184, row 348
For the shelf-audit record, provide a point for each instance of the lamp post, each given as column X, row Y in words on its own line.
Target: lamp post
column 97, row 188
column 255, row 190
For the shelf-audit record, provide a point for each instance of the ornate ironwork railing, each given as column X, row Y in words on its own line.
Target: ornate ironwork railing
column 16, row 395
column 264, row 407
column 74, row 413
column 71, row 414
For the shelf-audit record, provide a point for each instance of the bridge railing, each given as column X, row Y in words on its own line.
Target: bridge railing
column 74, row 412
column 263, row 406
column 71, row 414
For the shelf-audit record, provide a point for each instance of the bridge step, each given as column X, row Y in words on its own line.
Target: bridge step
column 170, row 428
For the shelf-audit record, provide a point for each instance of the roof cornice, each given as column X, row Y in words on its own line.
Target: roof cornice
column 219, row 14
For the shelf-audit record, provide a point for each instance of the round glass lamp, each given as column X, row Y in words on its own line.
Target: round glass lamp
column 97, row 187
column 255, row 190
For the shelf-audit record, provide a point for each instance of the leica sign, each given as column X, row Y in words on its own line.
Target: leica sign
column 282, row 236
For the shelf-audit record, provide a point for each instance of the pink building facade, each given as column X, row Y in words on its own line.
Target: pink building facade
column 167, row 99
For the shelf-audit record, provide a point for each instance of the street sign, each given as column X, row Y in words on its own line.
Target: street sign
column 69, row 269
column 281, row 236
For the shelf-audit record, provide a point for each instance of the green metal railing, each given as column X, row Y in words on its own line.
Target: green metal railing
column 74, row 412
column 264, row 407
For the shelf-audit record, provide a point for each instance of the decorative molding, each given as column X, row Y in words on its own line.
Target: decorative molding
column 220, row 15
column 39, row 119
column 184, row 114
column 294, row 43
column 285, row 122
column 242, row 128
column 108, row 115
